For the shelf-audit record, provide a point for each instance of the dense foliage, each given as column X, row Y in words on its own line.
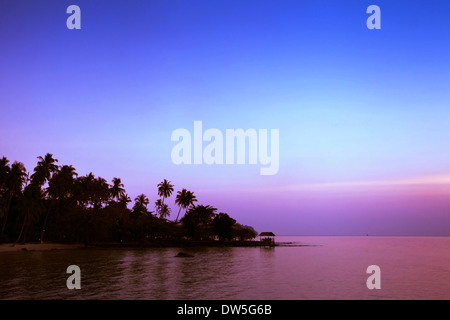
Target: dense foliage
column 55, row 204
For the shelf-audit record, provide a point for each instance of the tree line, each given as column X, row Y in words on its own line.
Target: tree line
column 55, row 204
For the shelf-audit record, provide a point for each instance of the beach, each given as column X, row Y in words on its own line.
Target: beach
column 9, row 247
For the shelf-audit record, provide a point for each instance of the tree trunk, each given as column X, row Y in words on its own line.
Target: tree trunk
column 45, row 222
column 44, row 225
column 8, row 205
column 176, row 220
column 23, row 227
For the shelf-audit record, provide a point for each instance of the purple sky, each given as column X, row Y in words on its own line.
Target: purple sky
column 363, row 114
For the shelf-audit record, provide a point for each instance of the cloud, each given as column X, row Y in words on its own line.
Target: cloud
column 439, row 180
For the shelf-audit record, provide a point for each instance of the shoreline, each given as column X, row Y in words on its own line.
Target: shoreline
column 10, row 247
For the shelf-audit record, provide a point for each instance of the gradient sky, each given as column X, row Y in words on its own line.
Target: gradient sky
column 364, row 115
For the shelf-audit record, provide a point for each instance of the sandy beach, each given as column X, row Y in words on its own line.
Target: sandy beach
column 9, row 247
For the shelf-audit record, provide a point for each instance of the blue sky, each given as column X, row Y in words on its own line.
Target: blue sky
column 351, row 104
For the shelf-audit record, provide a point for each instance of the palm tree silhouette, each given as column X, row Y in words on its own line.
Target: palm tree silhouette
column 165, row 189
column 60, row 189
column 93, row 191
column 164, row 211
column 158, row 205
column 45, row 167
column 87, row 208
column 4, row 172
column 101, row 192
column 197, row 220
column 32, row 199
column 204, row 213
column 124, row 199
column 15, row 180
column 140, row 204
column 184, row 199
column 31, row 205
column 117, row 190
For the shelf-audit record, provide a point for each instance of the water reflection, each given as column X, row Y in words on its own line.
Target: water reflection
column 335, row 270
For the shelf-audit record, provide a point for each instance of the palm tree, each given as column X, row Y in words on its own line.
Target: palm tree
column 117, row 190
column 83, row 189
column 165, row 189
column 33, row 194
column 31, row 206
column 101, row 193
column 91, row 191
column 15, row 180
column 158, row 205
column 164, row 211
column 140, row 204
column 60, row 188
column 204, row 213
column 124, row 199
column 61, row 184
column 4, row 172
column 184, row 199
column 197, row 221
column 45, row 167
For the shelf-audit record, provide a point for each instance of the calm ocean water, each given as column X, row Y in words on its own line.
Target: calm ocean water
column 333, row 268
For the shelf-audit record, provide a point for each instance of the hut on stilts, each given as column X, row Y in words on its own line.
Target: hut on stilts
column 267, row 239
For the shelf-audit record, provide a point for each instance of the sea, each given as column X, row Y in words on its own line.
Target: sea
column 298, row 268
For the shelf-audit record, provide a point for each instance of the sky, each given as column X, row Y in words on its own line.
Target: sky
column 363, row 115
